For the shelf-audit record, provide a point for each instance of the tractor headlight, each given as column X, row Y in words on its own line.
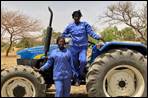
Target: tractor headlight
column 18, row 56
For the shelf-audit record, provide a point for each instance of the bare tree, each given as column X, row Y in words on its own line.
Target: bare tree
column 3, row 32
column 124, row 12
column 16, row 26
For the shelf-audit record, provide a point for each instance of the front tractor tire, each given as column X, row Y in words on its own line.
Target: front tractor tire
column 118, row 73
column 21, row 81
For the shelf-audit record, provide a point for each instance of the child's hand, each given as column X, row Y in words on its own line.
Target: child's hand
column 35, row 69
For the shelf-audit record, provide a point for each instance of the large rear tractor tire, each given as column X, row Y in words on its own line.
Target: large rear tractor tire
column 118, row 73
column 21, row 81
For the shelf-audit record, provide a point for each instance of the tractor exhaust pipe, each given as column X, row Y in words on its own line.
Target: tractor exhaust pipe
column 48, row 33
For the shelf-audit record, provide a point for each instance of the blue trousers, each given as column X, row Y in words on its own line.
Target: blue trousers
column 63, row 87
column 79, row 58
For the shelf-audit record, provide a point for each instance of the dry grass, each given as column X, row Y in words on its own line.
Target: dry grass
column 79, row 91
column 8, row 61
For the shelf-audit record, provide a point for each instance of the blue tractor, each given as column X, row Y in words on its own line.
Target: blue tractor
column 114, row 69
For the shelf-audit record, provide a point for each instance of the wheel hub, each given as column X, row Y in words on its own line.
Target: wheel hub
column 122, row 84
column 117, row 84
column 123, row 80
column 19, row 89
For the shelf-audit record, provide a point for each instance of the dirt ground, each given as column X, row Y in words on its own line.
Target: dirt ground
column 76, row 91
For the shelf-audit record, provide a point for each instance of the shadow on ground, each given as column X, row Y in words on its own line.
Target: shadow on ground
column 51, row 93
column 71, row 95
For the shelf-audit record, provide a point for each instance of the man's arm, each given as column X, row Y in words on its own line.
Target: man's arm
column 91, row 32
column 66, row 32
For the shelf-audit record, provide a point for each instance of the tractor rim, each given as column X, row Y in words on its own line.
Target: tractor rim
column 18, row 87
column 123, row 80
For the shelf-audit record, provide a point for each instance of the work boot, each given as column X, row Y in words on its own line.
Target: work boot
column 77, row 83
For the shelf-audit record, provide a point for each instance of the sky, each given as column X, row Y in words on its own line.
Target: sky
column 62, row 11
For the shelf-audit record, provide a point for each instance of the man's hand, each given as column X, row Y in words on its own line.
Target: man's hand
column 99, row 45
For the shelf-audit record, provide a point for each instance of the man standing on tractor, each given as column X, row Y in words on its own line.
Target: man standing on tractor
column 78, row 31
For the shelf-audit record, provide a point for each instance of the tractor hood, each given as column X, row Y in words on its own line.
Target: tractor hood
column 36, row 52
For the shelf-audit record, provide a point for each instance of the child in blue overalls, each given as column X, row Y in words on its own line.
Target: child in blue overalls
column 63, row 68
